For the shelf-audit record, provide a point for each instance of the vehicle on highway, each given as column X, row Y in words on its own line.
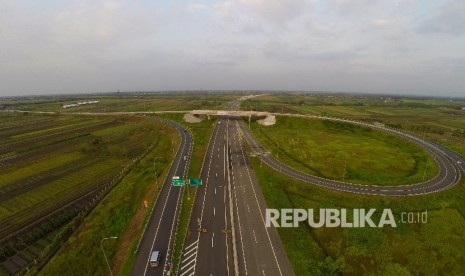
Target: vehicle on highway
column 155, row 258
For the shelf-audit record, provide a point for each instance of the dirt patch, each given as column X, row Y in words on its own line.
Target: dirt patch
column 268, row 121
column 189, row 118
column 135, row 228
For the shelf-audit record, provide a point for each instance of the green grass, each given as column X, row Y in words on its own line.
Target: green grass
column 437, row 119
column 342, row 151
column 409, row 249
column 64, row 187
column 113, row 216
column 58, row 171
column 120, row 131
column 418, row 249
column 126, row 102
column 70, row 125
column 45, row 164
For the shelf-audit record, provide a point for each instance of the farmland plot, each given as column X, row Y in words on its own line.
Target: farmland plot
column 53, row 166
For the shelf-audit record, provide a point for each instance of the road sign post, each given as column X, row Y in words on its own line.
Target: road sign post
column 195, row 182
column 179, row 182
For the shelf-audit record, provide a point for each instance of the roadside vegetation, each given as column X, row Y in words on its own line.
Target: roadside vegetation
column 346, row 152
column 409, row 249
column 441, row 120
column 122, row 213
column 54, row 167
column 122, row 102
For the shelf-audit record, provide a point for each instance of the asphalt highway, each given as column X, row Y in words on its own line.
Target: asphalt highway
column 448, row 161
column 160, row 232
column 208, row 247
column 227, row 233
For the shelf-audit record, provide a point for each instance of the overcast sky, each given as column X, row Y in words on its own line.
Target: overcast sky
column 373, row 46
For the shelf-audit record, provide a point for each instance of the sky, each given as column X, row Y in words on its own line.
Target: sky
column 368, row 46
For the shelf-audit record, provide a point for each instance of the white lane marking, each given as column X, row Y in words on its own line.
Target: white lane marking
column 215, row 190
column 248, row 208
column 192, row 244
column 173, row 227
column 240, row 233
column 205, row 194
column 214, row 211
column 231, row 210
column 224, row 162
column 260, row 210
column 187, row 264
column 254, row 236
column 189, row 251
column 213, row 236
column 163, row 210
column 192, row 253
column 192, row 267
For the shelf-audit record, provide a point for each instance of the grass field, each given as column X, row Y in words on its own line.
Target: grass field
column 51, row 165
column 409, row 249
column 437, row 119
column 122, row 253
column 345, row 152
column 124, row 102
column 122, row 213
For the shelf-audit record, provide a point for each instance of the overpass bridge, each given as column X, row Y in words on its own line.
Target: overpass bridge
column 267, row 118
column 230, row 113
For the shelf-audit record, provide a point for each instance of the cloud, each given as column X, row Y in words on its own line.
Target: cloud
column 101, row 23
column 195, row 7
column 276, row 11
column 82, row 45
column 382, row 23
column 269, row 13
column 448, row 18
column 351, row 7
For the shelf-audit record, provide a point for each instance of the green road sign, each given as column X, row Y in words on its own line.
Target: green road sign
column 178, row 181
column 195, row 181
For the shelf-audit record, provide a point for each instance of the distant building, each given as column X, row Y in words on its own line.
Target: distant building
column 79, row 104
